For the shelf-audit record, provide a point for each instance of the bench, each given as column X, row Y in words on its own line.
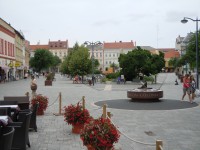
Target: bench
column 23, row 101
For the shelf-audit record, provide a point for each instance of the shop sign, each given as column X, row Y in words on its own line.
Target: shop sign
column 17, row 64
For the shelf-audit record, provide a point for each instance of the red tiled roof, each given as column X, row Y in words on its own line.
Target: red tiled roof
column 117, row 45
column 34, row 47
column 172, row 54
column 166, row 49
column 58, row 44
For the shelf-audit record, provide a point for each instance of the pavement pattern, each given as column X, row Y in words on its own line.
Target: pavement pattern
column 176, row 123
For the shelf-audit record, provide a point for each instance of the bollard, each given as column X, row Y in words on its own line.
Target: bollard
column 83, row 101
column 109, row 114
column 60, row 106
column 60, row 100
column 104, row 111
column 159, row 145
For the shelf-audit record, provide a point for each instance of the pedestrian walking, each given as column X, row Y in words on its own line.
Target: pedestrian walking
column 186, row 87
column 192, row 87
column 33, row 86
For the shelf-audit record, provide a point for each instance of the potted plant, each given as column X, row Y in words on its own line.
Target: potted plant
column 100, row 134
column 49, row 79
column 76, row 116
column 43, row 103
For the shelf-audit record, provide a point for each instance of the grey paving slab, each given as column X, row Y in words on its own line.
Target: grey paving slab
column 178, row 128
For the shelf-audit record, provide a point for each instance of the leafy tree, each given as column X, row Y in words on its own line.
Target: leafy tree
column 56, row 62
column 42, row 59
column 157, row 63
column 173, row 62
column 140, row 60
column 79, row 56
column 190, row 56
column 79, row 62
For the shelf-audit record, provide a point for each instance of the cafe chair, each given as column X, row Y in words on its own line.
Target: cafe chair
column 21, row 135
column 33, row 124
column 5, row 111
column 6, row 138
column 8, row 103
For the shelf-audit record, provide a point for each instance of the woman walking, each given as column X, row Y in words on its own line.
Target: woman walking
column 186, row 87
column 192, row 87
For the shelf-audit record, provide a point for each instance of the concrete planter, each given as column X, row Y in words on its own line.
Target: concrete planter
column 48, row 83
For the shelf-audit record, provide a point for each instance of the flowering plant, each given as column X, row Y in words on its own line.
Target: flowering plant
column 42, row 100
column 101, row 134
column 76, row 115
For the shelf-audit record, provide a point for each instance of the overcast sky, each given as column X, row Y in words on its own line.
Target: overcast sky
column 153, row 23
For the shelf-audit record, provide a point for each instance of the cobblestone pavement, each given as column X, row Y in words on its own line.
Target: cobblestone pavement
column 178, row 128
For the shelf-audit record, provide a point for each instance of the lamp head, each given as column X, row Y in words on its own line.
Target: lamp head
column 184, row 20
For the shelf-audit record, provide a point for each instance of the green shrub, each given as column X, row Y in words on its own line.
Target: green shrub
column 113, row 75
column 149, row 78
column 50, row 76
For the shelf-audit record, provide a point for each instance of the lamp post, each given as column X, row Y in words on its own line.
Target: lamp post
column 92, row 44
column 185, row 20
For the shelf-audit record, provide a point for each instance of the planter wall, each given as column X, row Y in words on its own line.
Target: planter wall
column 48, row 83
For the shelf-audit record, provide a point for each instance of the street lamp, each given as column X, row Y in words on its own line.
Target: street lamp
column 185, row 20
column 92, row 44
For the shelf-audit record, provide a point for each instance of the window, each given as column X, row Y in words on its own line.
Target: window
column 96, row 54
column 106, row 55
column 5, row 47
column 113, row 55
column 100, row 54
column 109, row 55
column 109, row 62
column 1, row 46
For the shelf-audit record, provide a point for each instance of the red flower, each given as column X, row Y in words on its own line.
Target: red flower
column 76, row 115
column 42, row 100
column 100, row 133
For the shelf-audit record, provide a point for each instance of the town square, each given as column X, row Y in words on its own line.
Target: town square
column 99, row 75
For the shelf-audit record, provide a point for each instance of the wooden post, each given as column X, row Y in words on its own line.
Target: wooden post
column 158, row 144
column 60, row 100
column 83, row 99
column 104, row 111
column 109, row 114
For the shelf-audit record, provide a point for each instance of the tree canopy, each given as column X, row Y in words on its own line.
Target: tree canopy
column 140, row 60
column 78, row 62
column 190, row 56
column 42, row 59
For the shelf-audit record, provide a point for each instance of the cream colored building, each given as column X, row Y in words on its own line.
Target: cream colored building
column 59, row 48
column 19, row 55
